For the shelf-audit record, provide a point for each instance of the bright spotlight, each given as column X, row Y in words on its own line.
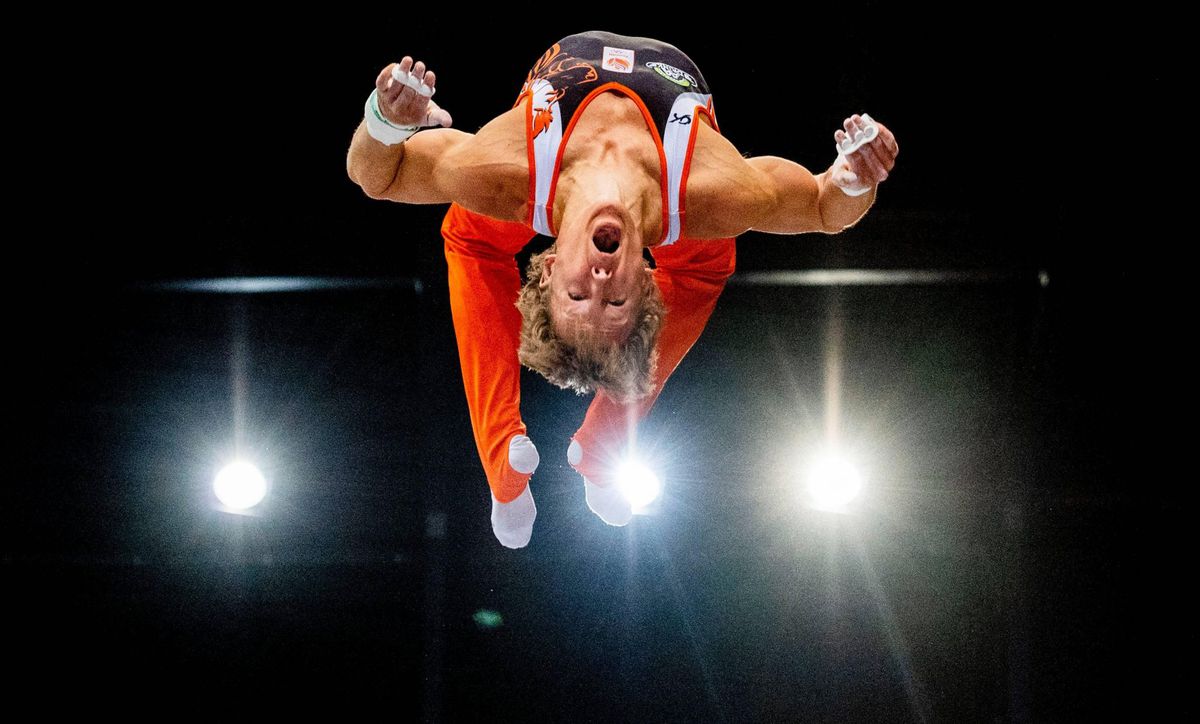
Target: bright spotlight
column 833, row 483
column 240, row 486
column 638, row 484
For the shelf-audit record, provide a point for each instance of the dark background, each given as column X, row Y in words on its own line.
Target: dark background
column 987, row 577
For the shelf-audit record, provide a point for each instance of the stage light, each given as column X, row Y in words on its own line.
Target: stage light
column 638, row 484
column 833, row 483
column 240, row 486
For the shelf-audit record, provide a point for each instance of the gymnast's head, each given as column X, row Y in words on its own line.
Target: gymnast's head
column 590, row 309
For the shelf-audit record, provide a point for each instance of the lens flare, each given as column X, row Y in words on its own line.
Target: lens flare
column 240, row 486
column 833, row 483
column 638, row 484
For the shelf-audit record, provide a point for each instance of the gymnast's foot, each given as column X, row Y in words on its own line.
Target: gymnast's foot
column 606, row 501
column 512, row 522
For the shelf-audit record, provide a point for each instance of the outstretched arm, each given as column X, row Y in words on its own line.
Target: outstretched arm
column 408, row 171
column 834, row 199
column 729, row 194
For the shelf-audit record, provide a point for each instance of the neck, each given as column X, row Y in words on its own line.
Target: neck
column 592, row 184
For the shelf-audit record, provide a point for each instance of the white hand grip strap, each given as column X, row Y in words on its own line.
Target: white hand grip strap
column 859, row 138
column 412, row 81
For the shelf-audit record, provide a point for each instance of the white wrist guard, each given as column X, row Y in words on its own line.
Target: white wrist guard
column 380, row 128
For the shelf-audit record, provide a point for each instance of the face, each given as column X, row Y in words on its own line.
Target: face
column 596, row 277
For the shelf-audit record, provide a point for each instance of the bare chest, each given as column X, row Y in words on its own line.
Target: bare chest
column 494, row 172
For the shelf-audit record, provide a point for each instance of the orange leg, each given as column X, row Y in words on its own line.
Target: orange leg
column 691, row 275
column 484, row 282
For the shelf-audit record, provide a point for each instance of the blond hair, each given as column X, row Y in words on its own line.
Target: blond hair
column 624, row 369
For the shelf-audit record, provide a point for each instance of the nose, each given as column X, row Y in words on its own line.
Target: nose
column 600, row 273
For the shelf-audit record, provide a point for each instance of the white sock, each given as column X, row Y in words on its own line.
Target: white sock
column 512, row 522
column 609, row 503
column 522, row 455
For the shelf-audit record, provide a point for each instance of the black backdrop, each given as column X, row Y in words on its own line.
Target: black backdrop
column 987, row 578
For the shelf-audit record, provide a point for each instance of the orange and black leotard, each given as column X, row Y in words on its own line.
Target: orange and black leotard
column 480, row 251
column 666, row 85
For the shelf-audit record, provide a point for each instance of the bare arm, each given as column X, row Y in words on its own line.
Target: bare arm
column 801, row 201
column 728, row 194
column 407, row 172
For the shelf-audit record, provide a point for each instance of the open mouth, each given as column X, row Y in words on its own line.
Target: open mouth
column 607, row 238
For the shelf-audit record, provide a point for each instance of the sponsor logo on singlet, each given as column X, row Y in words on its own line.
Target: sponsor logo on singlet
column 618, row 60
column 673, row 74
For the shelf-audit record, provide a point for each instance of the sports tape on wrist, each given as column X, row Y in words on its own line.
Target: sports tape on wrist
column 380, row 128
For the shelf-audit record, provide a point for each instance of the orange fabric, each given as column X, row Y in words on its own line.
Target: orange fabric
column 691, row 275
column 484, row 283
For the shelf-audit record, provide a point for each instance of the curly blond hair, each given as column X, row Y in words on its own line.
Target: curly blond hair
column 625, row 370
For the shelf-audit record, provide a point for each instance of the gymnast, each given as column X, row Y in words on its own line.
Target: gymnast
column 611, row 147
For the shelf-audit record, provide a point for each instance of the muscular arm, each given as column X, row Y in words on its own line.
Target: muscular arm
column 406, row 172
column 801, row 202
column 409, row 171
column 728, row 194
column 486, row 172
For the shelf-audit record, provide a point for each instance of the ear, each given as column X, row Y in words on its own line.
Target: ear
column 547, row 263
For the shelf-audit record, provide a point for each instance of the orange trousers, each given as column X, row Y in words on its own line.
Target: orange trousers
column 484, row 283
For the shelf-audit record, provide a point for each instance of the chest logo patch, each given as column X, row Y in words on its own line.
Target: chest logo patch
column 618, row 60
column 675, row 75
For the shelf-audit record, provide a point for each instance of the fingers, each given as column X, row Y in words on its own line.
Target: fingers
column 876, row 170
column 888, row 141
column 413, row 78
column 437, row 116
column 852, row 125
column 843, row 176
column 383, row 79
column 883, row 149
column 418, row 70
column 875, row 154
column 403, row 92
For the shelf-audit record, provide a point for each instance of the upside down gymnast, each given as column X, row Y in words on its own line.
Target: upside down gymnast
column 612, row 146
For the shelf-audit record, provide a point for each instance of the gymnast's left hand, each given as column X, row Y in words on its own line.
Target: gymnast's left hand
column 872, row 162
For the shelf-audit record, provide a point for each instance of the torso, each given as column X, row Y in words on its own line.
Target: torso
column 493, row 172
column 495, row 163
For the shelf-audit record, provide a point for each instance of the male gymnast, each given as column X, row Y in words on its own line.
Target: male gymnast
column 611, row 147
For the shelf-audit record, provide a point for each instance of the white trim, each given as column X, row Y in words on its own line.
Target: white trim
column 545, row 152
column 675, row 147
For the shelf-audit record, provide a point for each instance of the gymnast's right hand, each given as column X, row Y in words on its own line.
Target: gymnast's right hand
column 404, row 94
